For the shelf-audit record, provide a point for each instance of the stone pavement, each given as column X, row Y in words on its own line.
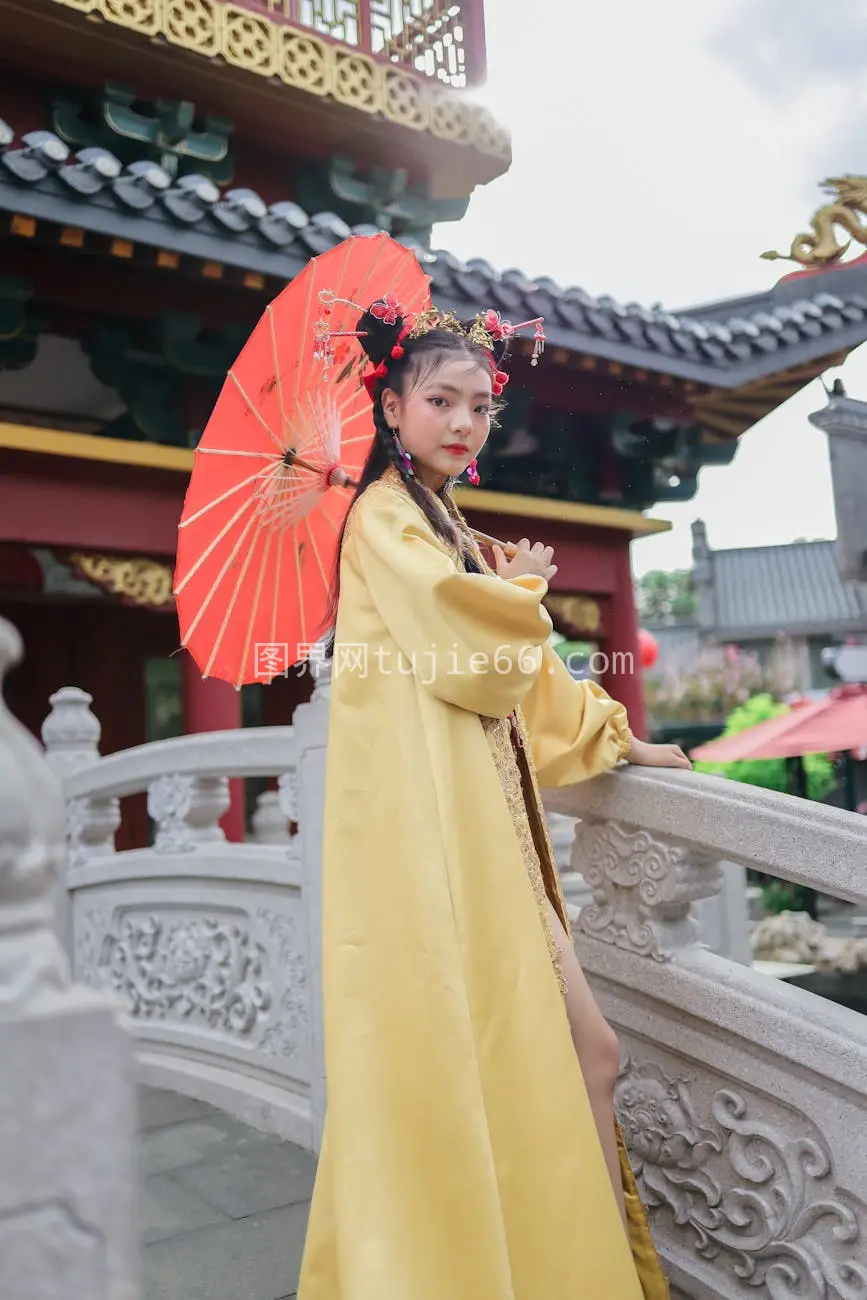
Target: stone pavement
column 223, row 1209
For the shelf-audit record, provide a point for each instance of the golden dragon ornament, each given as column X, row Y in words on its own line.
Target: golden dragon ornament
column 821, row 248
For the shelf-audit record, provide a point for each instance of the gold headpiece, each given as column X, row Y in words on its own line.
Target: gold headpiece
column 486, row 329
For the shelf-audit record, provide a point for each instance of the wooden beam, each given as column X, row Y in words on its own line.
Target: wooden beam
column 85, row 446
column 570, row 512
column 48, row 511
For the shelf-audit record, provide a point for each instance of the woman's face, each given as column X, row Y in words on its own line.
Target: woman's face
column 444, row 419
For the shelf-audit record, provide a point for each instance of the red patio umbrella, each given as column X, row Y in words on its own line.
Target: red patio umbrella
column 832, row 725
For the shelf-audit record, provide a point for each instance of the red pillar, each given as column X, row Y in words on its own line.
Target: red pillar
column 212, row 705
column 622, row 648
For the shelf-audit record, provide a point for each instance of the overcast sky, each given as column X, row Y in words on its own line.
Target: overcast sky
column 658, row 149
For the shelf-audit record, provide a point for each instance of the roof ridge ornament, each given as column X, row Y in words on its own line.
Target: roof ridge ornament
column 821, row 248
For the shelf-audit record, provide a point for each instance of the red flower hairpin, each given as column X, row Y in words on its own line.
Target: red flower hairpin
column 496, row 326
column 387, row 309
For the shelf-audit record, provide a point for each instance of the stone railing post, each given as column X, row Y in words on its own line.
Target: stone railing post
column 643, row 887
column 67, row 1107
column 70, row 734
column 310, row 723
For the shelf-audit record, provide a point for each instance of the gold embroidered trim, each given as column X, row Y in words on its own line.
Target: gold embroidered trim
column 536, row 812
column 498, row 732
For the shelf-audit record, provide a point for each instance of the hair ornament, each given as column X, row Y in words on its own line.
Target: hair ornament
column 487, row 329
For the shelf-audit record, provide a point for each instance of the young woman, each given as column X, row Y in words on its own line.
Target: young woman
column 470, row 1149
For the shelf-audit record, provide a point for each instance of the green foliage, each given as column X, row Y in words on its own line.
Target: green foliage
column 781, row 896
column 769, row 773
column 663, row 596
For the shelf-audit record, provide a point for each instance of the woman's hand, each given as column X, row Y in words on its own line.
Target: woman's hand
column 534, row 559
column 644, row 755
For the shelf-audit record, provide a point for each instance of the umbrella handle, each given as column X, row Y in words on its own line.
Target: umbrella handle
column 508, row 548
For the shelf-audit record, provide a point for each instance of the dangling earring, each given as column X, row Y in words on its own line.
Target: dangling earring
column 473, row 473
column 404, row 458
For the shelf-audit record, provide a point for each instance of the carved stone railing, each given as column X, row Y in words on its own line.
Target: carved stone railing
column 67, row 1106
column 743, row 1099
column 214, row 946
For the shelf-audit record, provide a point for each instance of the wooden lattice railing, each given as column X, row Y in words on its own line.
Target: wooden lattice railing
column 443, row 40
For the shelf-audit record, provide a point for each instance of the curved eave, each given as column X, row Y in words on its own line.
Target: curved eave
column 283, row 82
column 46, row 211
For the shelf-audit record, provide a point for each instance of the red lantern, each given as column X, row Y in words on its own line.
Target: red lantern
column 648, row 648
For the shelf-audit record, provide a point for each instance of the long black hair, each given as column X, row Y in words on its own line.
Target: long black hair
column 416, row 358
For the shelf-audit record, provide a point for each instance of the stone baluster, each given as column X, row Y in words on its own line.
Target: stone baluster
column 643, row 888
column 270, row 822
column 70, row 734
column 187, row 811
column 67, row 1107
column 71, row 731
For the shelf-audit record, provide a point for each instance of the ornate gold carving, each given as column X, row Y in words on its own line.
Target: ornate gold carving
column 139, row 581
column 821, row 247
column 268, row 47
column 194, row 24
column 449, row 121
column 357, row 81
column 304, row 63
column 404, row 101
column 580, row 612
column 140, row 15
column 489, row 136
column 250, row 42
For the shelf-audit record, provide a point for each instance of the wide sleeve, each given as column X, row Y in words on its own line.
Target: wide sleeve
column 472, row 639
column 576, row 730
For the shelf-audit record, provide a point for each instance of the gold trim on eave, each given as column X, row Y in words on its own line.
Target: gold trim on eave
column 566, row 512
column 152, row 455
column 87, row 446
column 256, row 43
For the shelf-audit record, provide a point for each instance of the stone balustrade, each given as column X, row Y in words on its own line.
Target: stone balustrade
column 742, row 1098
column 67, row 1106
column 214, row 946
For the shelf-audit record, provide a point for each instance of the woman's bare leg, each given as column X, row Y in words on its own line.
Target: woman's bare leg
column 598, row 1052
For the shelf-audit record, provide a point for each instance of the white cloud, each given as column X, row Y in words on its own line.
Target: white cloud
column 658, row 149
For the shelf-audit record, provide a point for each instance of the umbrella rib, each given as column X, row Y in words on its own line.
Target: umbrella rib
column 242, row 573
column 316, row 429
column 254, row 606
column 325, row 515
column 312, row 539
column 235, row 451
column 277, row 567
column 214, row 542
column 185, row 523
column 270, row 432
column 298, row 584
column 277, row 376
column 305, row 323
column 219, row 578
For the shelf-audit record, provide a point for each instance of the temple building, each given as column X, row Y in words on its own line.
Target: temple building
column 166, row 167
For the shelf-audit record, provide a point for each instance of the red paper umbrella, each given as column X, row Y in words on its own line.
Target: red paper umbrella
column 288, row 437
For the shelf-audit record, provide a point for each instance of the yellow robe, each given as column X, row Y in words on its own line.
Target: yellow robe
column 460, row 1159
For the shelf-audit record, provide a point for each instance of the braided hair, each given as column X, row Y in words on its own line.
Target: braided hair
column 399, row 361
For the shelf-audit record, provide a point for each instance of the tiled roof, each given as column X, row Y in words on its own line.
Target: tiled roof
column 769, row 590
column 727, row 344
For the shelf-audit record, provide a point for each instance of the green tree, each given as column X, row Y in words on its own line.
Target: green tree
column 769, row 773
column 664, row 596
